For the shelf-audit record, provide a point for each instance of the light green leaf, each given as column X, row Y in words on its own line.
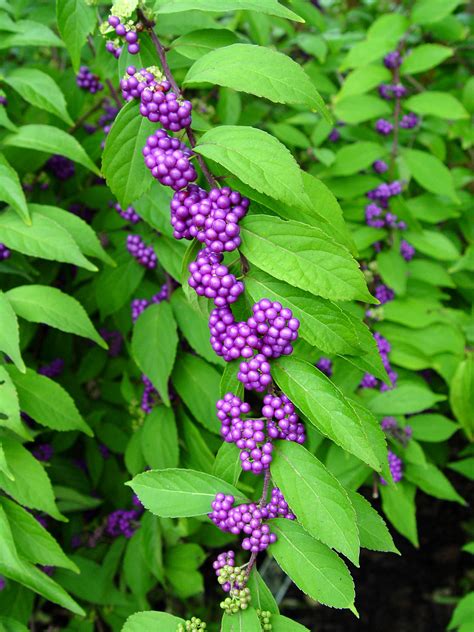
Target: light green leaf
column 175, row 493
column 11, row 190
column 463, row 614
column 434, row 244
column 270, row 7
column 227, row 464
column 33, row 541
column 398, row 503
column 162, row 621
column 303, row 256
column 76, row 19
column 44, row 238
column 257, row 70
column 197, row 383
column 31, row 486
column 405, row 398
column 47, row 402
column 432, row 481
column 9, row 333
column 122, row 161
column 373, row 531
column 429, row 11
column 50, row 306
column 242, row 621
column 283, row 624
column 262, row 598
column 51, row 140
column 356, row 157
column 40, row 90
column 360, row 108
column 318, row 500
column 392, row 267
column 363, row 79
column 322, row 323
column 84, row 236
column 197, row 43
column 329, row 410
column 440, row 104
column 256, row 158
column 424, row 57
column 6, row 122
column 432, row 428
column 313, row 567
column 10, row 407
column 29, row 33
column 461, row 395
column 159, row 439
column 430, row 172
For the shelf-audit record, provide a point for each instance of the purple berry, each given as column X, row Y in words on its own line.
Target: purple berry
column 229, row 410
column 275, row 326
column 385, row 91
column 169, row 160
column 185, row 207
column 210, row 278
column 379, row 166
column 325, row 366
column 409, row 121
column 255, row 373
column 43, row 452
column 122, row 522
column 392, row 60
column 86, row 80
column 129, row 214
column 53, row 369
column 278, row 507
column 114, row 339
column 283, row 422
column 60, row 167
column 114, row 21
column 384, row 294
column 5, row 253
column 396, row 468
column 407, row 250
column 173, row 113
column 145, row 255
column 383, row 127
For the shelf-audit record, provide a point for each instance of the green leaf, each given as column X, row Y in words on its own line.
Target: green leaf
column 392, row 267
column 76, row 19
column 256, row 158
column 33, row 541
column 11, row 625
column 227, row 464
column 197, row 43
column 197, row 383
column 51, row 140
column 155, row 330
column 47, row 402
column 432, row 428
column 260, row 71
column 31, row 486
column 405, row 398
column 175, row 493
column 13, row 567
column 230, row 382
column 398, row 503
column 356, row 157
column 363, row 79
column 461, row 395
column 317, row 498
column 312, row 566
column 432, row 481
column 269, row 7
column 122, row 161
column 283, row 624
column 181, row 562
column 373, row 531
column 430, row 173
column 360, row 108
column 84, row 236
column 242, row 621
column 463, row 614
column 302, row 256
column 464, row 467
column 434, row 244
column 6, row 122
column 262, row 598
column 50, row 306
column 44, row 238
column 9, row 333
column 290, row 135
column 10, row 407
column 440, row 104
column 29, row 33
column 324, row 324
column 11, row 190
column 424, row 57
column 115, row 286
column 429, row 11
column 162, row 621
column 40, row 90
column 329, row 410
column 159, row 439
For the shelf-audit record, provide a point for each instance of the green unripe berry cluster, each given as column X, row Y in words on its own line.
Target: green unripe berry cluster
column 265, row 620
column 192, row 625
column 233, row 576
column 239, row 599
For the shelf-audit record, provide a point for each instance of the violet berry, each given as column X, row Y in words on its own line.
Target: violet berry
column 276, row 327
column 255, row 373
column 283, row 422
column 129, row 214
column 5, row 253
column 383, row 127
column 229, row 410
column 325, row 366
column 169, row 160
column 210, row 278
column 379, row 166
column 392, row 60
column 396, row 468
column 185, row 208
column 145, row 255
column 86, row 80
column 407, row 250
column 61, row 167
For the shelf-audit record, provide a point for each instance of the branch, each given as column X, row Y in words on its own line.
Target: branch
column 169, row 75
column 85, row 116
column 262, row 502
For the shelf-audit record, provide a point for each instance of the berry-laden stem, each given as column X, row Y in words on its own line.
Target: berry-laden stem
column 262, row 503
column 169, row 75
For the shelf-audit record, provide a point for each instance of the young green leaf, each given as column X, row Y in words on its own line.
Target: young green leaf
column 430, row 172
column 303, row 256
column 398, row 503
column 50, row 306
column 242, row 621
column 256, row 158
column 406, row 398
column 11, row 190
column 154, row 344
column 115, row 286
column 373, row 531
column 327, row 408
column 432, row 428
column 30, row 33
column 227, row 464
column 432, row 481
column 47, row 402
column 361, row 108
column 176, row 493
column 51, row 140
column 270, row 7
column 122, row 161
column 317, row 498
column 40, row 90
column 283, row 624
column 76, row 19
column 356, row 157
column 424, row 57
column 196, row 44
column 159, row 439
column 9, row 332
column 429, row 11
column 441, row 104
column 262, row 598
column 257, row 70
column 313, row 567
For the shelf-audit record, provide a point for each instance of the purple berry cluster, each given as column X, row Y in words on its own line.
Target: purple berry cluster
column 396, row 468
column 282, row 420
column 224, row 566
column 393, row 60
column 113, row 48
column 136, row 81
column 122, row 522
column 383, row 293
column 129, row 214
column 5, row 253
column 43, row 452
column 61, row 167
column 379, row 166
column 370, row 381
column 409, row 121
column 86, row 80
column 53, row 369
column 145, row 255
column 377, row 213
column 210, row 278
column 392, row 428
column 127, row 32
column 160, row 105
column 407, row 250
column 383, row 127
column 388, row 91
column 114, row 339
column 168, row 159
column 149, row 396
column 325, row 366
column 139, row 305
